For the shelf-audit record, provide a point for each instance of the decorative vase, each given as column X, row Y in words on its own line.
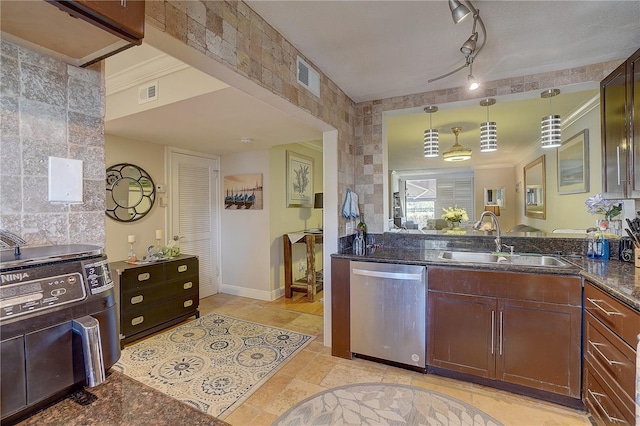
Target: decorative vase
column 454, row 224
column 602, row 224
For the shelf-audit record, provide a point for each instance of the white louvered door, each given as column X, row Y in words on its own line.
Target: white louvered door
column 194, row 213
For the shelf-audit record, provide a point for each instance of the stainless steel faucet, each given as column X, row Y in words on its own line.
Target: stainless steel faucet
column 498, row 239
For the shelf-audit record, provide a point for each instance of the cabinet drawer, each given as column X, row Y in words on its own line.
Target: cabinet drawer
column 181, row 268
column 602, row 402
column 137, row 278
column 610, row 356
column 622, row 320
column 145, row 296
column 134, row 322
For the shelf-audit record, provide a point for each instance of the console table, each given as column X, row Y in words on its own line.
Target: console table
column 313, row 281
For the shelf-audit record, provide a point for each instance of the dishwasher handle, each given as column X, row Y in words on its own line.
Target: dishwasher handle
column 390, row 275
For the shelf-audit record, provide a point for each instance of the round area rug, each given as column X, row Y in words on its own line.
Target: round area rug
column 383, row 404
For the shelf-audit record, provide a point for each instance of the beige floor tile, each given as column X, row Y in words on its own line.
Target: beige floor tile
column 292, row 394
column 262, row 397
column 243, row 415
column 341, row 375
column 317, row 370
column 263, row 419
column 298, row 363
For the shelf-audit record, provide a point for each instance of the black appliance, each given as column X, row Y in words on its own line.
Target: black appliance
column 58, row 327
column 625, row 249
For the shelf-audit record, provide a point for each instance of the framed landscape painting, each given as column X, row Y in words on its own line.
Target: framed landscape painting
column 573, row 164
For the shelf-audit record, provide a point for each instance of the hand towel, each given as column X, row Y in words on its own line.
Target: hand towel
column 355, row 212
column 346, row 205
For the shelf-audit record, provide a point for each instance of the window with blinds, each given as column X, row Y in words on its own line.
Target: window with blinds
column 455, row 191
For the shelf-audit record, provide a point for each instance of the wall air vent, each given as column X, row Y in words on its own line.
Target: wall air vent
column 148, row 92
column 308, row 77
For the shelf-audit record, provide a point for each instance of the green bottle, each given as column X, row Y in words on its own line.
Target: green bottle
column 362, row 227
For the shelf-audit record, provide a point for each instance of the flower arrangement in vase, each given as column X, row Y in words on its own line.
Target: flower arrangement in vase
column 609, row 208
column 455, row 215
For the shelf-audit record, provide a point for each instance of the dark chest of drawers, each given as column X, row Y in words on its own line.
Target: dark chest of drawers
column 154, row 296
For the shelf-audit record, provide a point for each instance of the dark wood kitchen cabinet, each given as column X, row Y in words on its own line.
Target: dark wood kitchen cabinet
column 515, row 328
column 610, row 337
column 154, row 296
column 80, row 32
column 620, row 116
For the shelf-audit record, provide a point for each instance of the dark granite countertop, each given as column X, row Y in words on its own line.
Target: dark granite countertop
column 120, row 400
column 619, row 279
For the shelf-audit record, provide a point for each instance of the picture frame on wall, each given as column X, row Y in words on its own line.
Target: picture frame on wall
column 299, row 180
column 573, row 164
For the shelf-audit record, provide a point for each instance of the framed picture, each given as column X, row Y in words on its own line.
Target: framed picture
column 243, row 192
column 299, row 180
column 573, row 164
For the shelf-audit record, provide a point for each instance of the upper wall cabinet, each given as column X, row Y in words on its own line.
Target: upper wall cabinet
column 79, row 32
column 620, row 110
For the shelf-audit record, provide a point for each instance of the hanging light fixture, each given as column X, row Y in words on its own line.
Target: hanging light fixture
column 471, row 80
column 457, row 152
column 488, row 130
column 431, row 144
column 551, row 133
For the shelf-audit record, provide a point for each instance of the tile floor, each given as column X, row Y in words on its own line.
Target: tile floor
column 314, row 370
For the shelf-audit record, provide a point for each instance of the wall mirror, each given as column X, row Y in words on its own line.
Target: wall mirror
column 495, row 197
column 130, row 192
column 534, row 189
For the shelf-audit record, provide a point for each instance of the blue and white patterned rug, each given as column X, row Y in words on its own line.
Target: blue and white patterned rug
column 213, row 363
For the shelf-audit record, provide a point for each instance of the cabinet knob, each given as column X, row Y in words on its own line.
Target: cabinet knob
column 187, row 285
column 188, row 303
column 137, row 299
column 137, row 320
column 182, row 268
column 144, row 276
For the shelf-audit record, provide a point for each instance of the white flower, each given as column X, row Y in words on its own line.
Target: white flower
column 455, row 214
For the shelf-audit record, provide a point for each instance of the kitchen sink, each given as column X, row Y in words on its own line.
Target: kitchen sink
column 516, row 259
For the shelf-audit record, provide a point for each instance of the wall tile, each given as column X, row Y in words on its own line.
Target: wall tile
column 9, row 67
column 43, row 229
column 9, row 116
column 87, row 228
column 85, row 129
column 40, row 121
column 10, row 156
column 10, row 194
column 84, row 98
column 36, row 196
column 42, row 85
column 35, row 156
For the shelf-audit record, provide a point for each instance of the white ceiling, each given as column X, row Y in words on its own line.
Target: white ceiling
column 378, row 49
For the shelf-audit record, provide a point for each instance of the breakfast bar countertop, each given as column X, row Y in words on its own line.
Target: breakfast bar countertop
column 120, row 400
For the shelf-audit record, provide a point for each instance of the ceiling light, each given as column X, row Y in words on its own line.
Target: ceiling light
column 488, row 130
column 458, row 11
column 551, row 134
column 457, row 152
column 431, row 135
column 246, row 140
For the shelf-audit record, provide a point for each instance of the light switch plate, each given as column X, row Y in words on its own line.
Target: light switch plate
column 65, row 180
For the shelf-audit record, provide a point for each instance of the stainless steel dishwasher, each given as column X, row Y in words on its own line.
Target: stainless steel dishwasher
column 388, row 312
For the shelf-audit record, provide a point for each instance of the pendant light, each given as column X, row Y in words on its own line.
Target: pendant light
column 431, row 144
column 551, row 134
column 457, row 152
column 488, row 130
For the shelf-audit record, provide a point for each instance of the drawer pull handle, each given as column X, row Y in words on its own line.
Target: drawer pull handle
column 608, row 313
column 595, row 396
column 137, row 299
column 182, row 268
column 187, row 285
column 144, row 276
column 188, row 303
column 595, row 346
column 137, row 320
column 493, row 331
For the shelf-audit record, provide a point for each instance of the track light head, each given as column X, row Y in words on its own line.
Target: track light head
column 458, row 11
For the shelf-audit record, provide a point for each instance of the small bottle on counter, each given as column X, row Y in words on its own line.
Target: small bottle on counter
column 601, row 248
column 358, row 243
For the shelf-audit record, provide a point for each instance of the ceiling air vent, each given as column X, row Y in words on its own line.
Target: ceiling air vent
column 148, row 92
column 308, row 77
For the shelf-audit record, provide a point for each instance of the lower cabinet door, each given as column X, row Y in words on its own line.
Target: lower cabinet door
column 462, row 333
column 602, row 402
column 539, row 346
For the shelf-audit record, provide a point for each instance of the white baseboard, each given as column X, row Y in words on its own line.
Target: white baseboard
column 251, row 292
